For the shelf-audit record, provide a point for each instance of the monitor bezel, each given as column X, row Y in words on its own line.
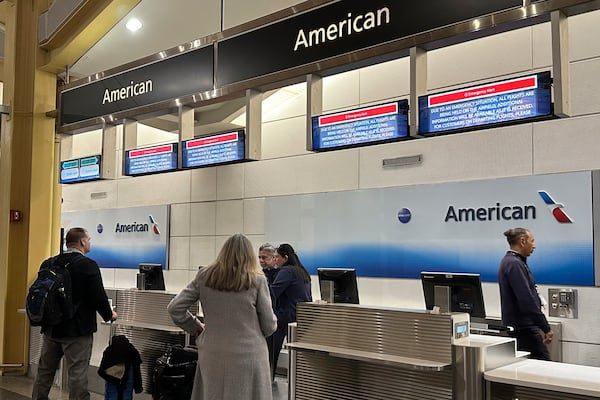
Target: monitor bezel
column 452, row 280
column 354, row 296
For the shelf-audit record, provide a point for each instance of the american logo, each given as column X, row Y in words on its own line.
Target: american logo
column 154, row 225
column 556, row 209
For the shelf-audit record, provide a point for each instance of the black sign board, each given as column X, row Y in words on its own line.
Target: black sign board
column 339, row 28
column 184, row 74
column 498, row 103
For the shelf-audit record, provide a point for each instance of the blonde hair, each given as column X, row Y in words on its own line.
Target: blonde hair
column 235, row 268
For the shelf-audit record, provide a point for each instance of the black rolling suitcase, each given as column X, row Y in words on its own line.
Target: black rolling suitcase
column 173, row 377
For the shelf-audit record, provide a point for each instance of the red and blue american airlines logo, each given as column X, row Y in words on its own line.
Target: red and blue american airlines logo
column 154, row 225
column 555, row 208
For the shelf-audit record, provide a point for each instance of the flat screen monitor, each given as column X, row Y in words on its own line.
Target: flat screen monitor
column 216, row 149
column 465, row 291
column 382, row 123
column 150, row 160
column 153, row 276
column 345, row 288
column 523, row 99
column 80, row 169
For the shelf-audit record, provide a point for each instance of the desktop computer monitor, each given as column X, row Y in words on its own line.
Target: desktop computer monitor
column 153, row 276
column 466, row 294
column 343, row 281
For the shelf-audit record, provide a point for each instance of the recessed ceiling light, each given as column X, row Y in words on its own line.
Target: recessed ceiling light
column 133, row 24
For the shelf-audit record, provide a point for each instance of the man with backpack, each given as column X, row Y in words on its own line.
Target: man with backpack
column 71, row 336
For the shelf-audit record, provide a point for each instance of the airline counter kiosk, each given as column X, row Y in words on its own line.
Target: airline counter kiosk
column 143, row 319
column 358, row 352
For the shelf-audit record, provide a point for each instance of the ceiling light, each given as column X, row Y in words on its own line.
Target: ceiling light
column 133, row 24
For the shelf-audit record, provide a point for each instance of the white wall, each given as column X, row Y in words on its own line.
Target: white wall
column 210, row 204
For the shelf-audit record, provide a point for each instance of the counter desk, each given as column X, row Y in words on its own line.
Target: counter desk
column 547, row 380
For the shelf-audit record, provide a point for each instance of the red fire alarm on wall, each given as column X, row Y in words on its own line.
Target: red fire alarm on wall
column 16, row 215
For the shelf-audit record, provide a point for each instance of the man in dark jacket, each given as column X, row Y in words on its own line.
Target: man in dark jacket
column 73, row 338
column 520, row 301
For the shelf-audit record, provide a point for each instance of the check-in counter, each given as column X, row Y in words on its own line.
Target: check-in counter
column 143, row 319
column 536, row 380
column 344, row 351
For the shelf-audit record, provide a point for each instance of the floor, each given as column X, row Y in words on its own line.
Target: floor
column 19, row 388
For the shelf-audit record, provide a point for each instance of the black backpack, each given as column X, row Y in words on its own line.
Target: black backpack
column 49, row 299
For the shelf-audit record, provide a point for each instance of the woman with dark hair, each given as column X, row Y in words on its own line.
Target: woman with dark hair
column 291, row 286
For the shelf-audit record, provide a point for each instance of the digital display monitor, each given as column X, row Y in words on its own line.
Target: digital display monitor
column 80, row 169
column 510, row 101
column 466, row 295
column 150, row 160
column 343, row 280
column 153, row 276
column 369, row 125
column 215, row 149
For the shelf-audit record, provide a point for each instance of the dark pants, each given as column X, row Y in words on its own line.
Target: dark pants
column 532, row 340
column 277, row 342
column 77, row 352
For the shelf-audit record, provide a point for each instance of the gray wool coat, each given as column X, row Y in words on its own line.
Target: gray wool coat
column 233, row 360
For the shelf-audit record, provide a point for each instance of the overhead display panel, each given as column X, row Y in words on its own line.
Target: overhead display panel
column 359, row 127
column 215, row 149
column 511, row 101
column 80, row 169
column 150, row 160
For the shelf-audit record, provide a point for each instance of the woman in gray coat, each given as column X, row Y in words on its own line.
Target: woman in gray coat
column 233, row 361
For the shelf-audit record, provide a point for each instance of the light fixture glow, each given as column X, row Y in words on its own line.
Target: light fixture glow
column 133, row 24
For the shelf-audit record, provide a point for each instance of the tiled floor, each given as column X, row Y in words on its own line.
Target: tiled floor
column 19, row 388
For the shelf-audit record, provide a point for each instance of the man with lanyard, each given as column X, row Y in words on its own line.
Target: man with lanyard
column 519, row 298
column 73, row 337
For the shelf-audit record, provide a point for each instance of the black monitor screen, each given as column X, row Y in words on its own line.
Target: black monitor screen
column 153, row 276
column 344, row 284
column 465, row 291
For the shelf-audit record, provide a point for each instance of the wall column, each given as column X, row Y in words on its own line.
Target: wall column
column 31, row 161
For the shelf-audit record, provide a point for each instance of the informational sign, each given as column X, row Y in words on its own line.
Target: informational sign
column 513, row 100
column 369, row 125
column 150, row 160
column 124, row 237
column 339, row 28
column 215, row 149
column 454, row 227
column 183, row 74
column 80, row 169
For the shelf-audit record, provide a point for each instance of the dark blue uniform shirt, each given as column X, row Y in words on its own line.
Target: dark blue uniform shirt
column 521, row 307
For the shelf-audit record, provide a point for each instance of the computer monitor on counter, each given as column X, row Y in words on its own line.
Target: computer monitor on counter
column 152, row 275
column 338, row 285
column 465, row 293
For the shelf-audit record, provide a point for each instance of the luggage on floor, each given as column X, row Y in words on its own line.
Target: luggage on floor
column 173, row 377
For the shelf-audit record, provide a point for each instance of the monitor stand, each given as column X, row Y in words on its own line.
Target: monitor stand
column 441, row 298
column 327, row 291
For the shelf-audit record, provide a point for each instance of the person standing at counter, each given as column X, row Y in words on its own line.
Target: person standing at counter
column 73, row 338
column 266, row 257
column 520, row 301
column 291, row 286
column 232, row 351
